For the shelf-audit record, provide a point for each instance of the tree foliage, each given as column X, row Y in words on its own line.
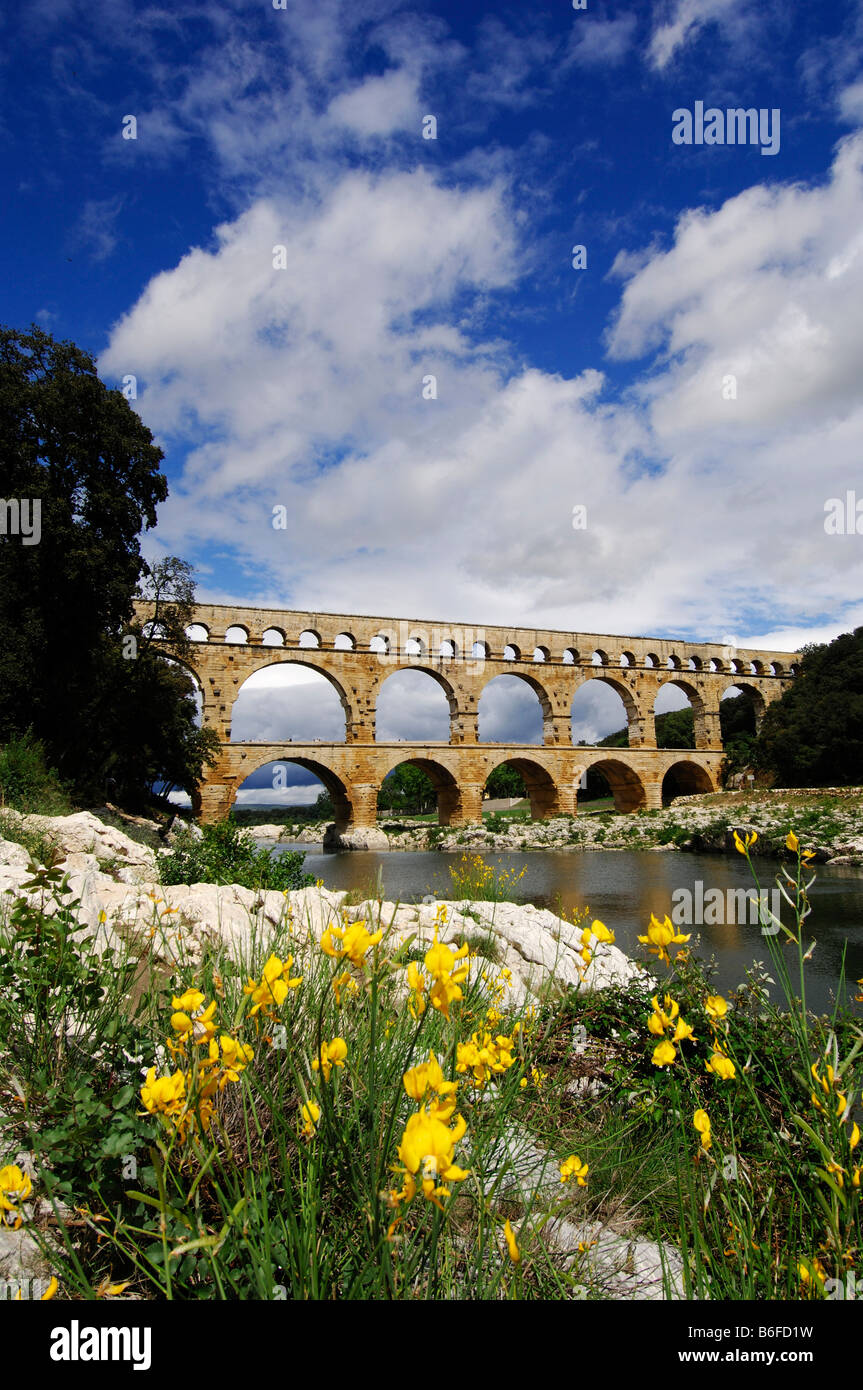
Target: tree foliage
column 813, row 735
column 505, row 781
column 109, row 722
column 409, row 790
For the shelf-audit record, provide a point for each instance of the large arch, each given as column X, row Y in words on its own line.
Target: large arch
column 686, row 778
column 625, row 784
column 691, row 695
column 449, row 801
column 340, row 792
column 414, row 678
column 753, row 697
column 331, row 729
column 546, row 798
column 543, row 699
column 625, row 704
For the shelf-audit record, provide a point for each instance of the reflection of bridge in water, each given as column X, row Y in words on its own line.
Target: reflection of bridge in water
column 357, row 654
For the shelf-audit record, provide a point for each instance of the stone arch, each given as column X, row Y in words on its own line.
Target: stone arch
column 627, row 659
column 599, row 658
column 686, row 778
column 776, row 668
column 511, row 652
column 546, row 797
column 541, row 654
column 198, row 632
column 448, row 649
column 480, row 651
column 345, row 642
column 570, row 656
column 631, row 712
column 625, row 784
column 236, row 635
column 412, row 672
column 273, row 637
column 341, row 793
column 539, row 691
column 447, row 790
column 752, row 695
column 704, row 731
column 292, row 661
column 379, row 644
column 309, row 637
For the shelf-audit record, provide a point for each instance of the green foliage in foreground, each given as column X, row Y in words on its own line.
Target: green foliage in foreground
column 225, row 854
column 246, row 1195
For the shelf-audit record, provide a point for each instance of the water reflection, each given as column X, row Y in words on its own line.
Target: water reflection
column 624, row 887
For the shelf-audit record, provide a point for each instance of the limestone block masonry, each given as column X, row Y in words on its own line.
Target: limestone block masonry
column 356, row 654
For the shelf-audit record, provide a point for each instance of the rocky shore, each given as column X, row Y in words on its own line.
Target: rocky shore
column 828, row 821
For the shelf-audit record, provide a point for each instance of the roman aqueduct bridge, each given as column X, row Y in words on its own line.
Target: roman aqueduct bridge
column 357, row 654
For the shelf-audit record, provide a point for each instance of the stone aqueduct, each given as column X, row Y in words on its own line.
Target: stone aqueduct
column 357, row 654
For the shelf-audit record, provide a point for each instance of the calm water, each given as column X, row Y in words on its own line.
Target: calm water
column 623, row 887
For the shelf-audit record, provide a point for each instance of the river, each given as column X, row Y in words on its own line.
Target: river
column 623, row 887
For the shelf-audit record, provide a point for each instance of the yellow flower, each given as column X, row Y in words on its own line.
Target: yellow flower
column 191, row 1020
column 351, row 942
column 417, row 985
column 854, row 1140
column 602, row 933
column 721, row 1066
column 311, row 1113
column 333, row 1054
column 15, row 1188
column 809, row 1269
column 792, row 842
column 683, row 1032
column 485, row 1055
column 838, row 1173
column 165, row 1095
column 51, row 1290
column 275, row 982
column 428, row 1077
column 701, row 1121
column 440, row 962
column 664, row 1054
column 742, row 845
column 108, row 1290
column 511, row 1244
column 341, row 982
column 573, row 1167
column 428, row 1145
column 661, row 935
column 715, row 1006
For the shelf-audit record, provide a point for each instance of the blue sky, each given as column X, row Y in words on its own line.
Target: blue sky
column 406, row 257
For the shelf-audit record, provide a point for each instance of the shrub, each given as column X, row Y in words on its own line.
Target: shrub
column 27, row 783
column 226, row 854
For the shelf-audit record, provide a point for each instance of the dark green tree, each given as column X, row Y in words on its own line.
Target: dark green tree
column 813, row 735
column 74, row 454
column 407, row 789
column 504, row 782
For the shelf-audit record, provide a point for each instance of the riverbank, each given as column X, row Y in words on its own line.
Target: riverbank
column 596, row 1096
column 828, row 821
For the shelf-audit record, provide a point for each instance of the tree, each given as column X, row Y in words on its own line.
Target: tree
column 407, row 789
column 75, row 455
column 504, row 782
column 813, row 735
